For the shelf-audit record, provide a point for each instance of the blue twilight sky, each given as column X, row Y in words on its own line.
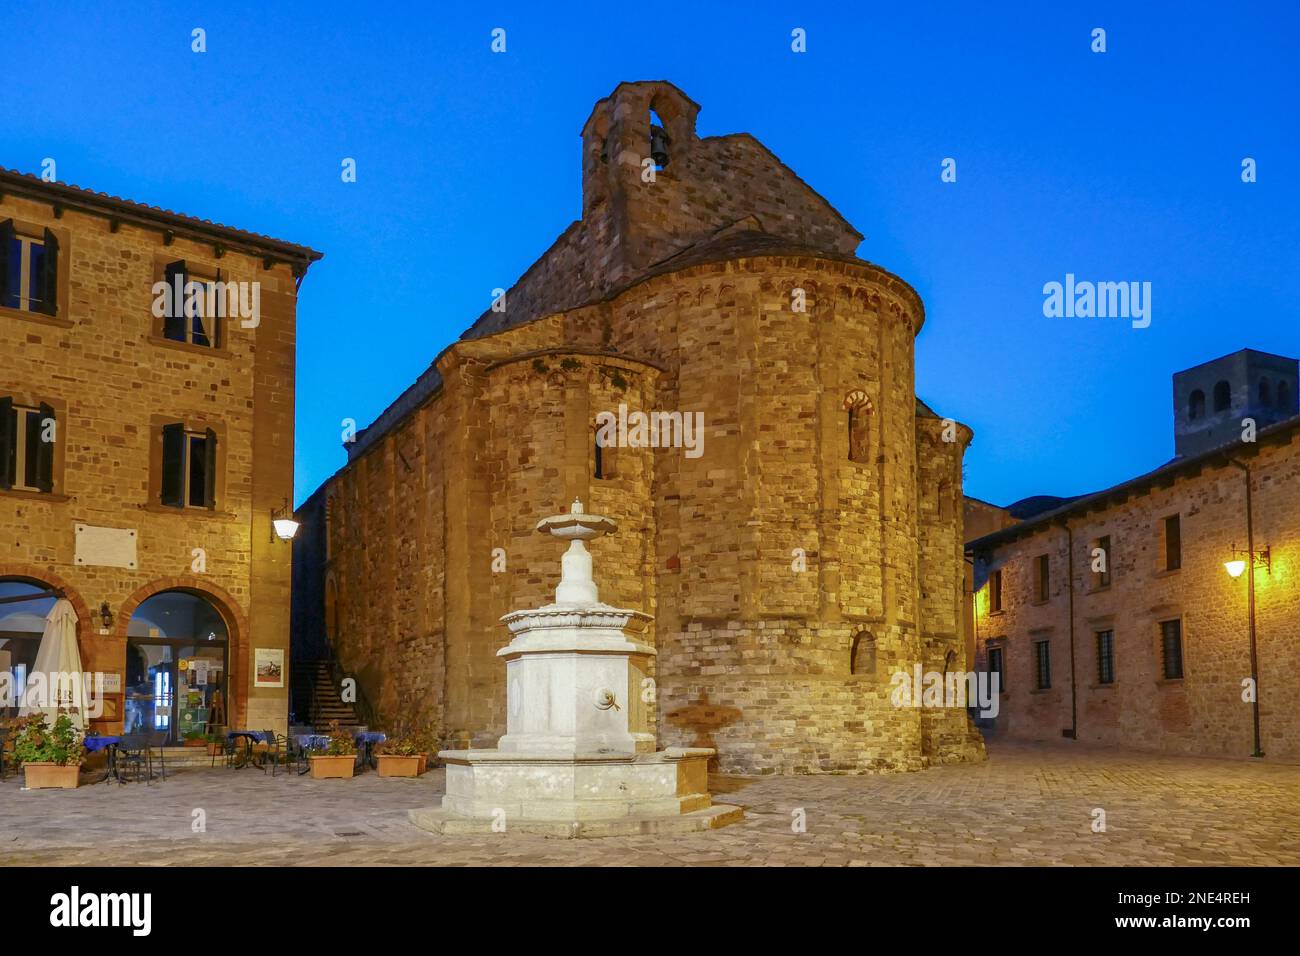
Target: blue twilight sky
column 1117, row 166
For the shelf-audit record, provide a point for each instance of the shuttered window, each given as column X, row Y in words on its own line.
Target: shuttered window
column 189, row 467
column 193, row 306
column 27, row 439
column 29, row 270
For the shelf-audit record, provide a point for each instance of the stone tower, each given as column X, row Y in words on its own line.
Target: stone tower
column 807, row 551
column 1212, row 399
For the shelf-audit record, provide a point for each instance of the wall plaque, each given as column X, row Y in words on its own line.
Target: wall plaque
column 106, row 547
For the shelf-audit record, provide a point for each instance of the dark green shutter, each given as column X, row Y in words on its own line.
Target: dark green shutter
column 210, row 470
column 8, row 434
column 174, row 320
column 6, row 246
column 50, row 275
column 45, row 451
column 173, row 466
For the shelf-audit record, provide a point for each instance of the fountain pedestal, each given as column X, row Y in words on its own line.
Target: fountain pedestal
column 578, row 757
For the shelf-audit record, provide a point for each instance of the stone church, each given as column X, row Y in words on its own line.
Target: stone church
column 809, row 545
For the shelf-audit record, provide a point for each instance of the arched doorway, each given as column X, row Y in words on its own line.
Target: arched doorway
column 177, row 664
column 24, row 604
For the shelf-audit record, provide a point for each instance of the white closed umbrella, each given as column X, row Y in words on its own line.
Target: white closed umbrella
column 56, row 681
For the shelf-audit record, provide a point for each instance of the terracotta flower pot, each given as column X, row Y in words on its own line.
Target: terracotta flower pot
column 424, row 763
column 42, row 776
column 326, row 767
column 216, row 750
column 395, row 765
column 195, row 743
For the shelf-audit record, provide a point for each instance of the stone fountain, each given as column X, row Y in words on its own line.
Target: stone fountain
column 578, row 757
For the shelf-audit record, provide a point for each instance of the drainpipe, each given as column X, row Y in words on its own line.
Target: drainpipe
column 1073, row 732
column 1250, row 592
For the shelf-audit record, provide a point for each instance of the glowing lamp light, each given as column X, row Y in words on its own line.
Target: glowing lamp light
column 1235, row 567
column 285, row 528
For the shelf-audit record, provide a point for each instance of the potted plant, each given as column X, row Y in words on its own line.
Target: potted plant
column 339, row 758
column 50, row 758
column 400, row 756
column 194, row 738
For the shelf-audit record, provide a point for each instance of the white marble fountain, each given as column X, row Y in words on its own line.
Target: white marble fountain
column 578, row 757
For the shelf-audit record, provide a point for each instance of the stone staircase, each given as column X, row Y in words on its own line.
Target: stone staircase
column 316, row 691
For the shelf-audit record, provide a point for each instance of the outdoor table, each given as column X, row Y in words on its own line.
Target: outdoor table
column 95, row 743
column 252, row 737
column 366, row 740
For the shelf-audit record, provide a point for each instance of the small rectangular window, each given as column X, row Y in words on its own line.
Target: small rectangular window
column 1101, row 562
column 1043, row 664
column 1106, row 657
column 995, row 591
column 1043, row 577
column 1171, row 646
column 1173, row 543
column 996, row 666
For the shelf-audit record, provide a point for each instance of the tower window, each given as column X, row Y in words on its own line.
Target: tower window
column 862, row 656
column 1222, row 397
column 1196, row 405
column 859, row 409
column 1265, row 393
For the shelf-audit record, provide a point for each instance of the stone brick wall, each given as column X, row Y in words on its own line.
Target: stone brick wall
column 103, row 365
column 1204, row 712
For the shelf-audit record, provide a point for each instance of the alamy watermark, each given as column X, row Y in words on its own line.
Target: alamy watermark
column 949, row 689
column 1101, row 300
column 651, row 430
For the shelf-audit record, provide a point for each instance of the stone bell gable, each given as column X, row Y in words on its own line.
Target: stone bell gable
column 629, row 225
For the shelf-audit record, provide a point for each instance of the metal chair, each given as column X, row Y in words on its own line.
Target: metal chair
column 157, row 741
column 269, row 750
column 133, row 757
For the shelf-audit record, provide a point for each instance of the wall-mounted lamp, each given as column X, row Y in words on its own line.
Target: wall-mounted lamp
column 1240, row 557
column 106, row 616
column 283, row 526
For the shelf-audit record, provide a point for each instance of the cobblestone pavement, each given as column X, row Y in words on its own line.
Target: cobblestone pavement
column 1025, row 805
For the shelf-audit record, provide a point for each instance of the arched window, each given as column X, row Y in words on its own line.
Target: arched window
column 860, row 410
column 1222, row 397
column 1196, row 405
column 862, row 654
column 1265, row 393
column 603, row 452
column 659, row 141
column 176, row 666
column 1284, row 396
column 22, row 624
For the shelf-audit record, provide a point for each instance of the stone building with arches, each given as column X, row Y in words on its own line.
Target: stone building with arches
column 811, row 549
column 142, row 454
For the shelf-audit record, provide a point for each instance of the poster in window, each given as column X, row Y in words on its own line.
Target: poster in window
column 269, row 667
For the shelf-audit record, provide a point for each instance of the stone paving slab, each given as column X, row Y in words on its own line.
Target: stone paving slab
column 1027, row 805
